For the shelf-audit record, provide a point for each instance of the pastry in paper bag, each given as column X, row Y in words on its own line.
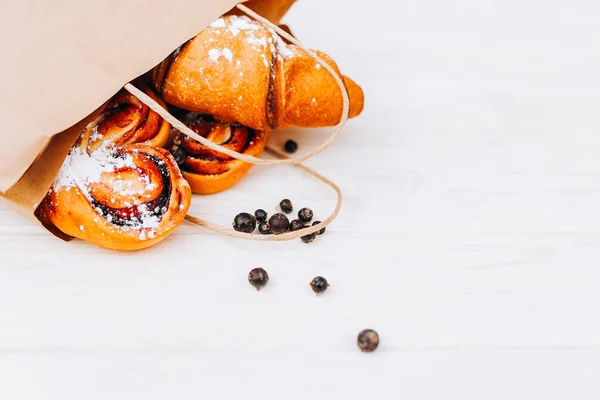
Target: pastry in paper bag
column 87, row 59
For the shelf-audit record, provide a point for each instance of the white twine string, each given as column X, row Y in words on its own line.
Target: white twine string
column 283, row 159
column 284, row 236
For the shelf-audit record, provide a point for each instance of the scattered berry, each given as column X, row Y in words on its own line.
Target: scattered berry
column 291, row 146
column 296, row 225
column 264, row 228
column 309, row 238
column 319, row 284
column 258, row 278
column 279, row 223
column 244, row 222
column 322, row 231
column 286, row 206
column 306, row 214
column 261, row 215
column 368, row 340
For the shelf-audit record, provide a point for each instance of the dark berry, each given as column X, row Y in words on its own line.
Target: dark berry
column 306, row 214
column 319, row 284
column 368, row 340
column 261, row 215
column 244, row 222
column 309, row 238
column 279, row 223
column 179, row 154
column 322, row 231
column 291, row 146
column 258, row 278
column 286, row 206
column 264, row 228
column 296, row 225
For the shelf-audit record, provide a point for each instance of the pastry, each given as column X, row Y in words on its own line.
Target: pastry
column 240, row 71
column 240, row 79
column 115, row 188
column 206, row 170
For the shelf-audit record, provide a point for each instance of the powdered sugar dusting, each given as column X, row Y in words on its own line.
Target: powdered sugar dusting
column 95, row 135
column 220, row 23
column 282, row 46
column 251, row 29
column 81, row 169
column 257, row 41
column 129, row 188
column 148, row 219
column 238, row 24
column 227, row 54
column 265, row 61
column 215, row 54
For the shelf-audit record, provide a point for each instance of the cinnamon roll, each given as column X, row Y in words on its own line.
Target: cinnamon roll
column 115, row 189
column 209, row 171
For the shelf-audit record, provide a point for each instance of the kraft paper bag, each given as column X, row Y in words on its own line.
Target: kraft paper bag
column 62, row 60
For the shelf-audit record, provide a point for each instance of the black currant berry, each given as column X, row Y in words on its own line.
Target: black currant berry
column 291, row 146
column 305, row 214
column 279, row 223
column 322, row 231
column 286, row 206
column 261, row 215
column 244, row 222
column 258, row 278
column 319, row 284
column 309, row 238
column 296, row 225
column 264, row 228
column 368, row 340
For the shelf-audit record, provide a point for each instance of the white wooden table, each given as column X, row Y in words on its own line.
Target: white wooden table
column 468, row 238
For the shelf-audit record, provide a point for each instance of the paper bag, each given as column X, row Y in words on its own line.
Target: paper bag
column 62, row 60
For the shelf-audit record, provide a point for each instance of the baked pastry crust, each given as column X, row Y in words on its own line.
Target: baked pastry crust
column 115, row 189
column 209, row 171
column 240, row 71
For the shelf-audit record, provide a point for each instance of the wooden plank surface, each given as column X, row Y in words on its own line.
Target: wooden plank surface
column 468, row 238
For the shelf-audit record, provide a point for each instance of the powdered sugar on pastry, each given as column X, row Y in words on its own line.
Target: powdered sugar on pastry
column 81, row 169
column 220, row 23
column 251, row 29
column 285, row 50
column 238, row 24
column 265, row 61
column 215, row 54
column 148, row 219
column 257, row 41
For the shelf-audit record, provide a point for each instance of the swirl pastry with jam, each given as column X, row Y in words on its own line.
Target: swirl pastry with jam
column 209, row 171
column 116, row 189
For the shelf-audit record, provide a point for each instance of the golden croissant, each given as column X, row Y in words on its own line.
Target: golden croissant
column 239, row 71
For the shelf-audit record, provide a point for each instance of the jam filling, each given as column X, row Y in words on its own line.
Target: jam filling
column 127, row 217
column 185, row 147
